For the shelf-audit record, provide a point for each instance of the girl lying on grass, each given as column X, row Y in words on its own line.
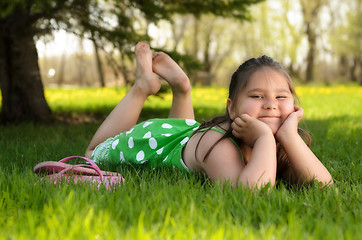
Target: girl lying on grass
column 256, row 140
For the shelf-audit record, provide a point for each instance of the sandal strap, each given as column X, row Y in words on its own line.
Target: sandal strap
column 95, row 166
column 92, row 165
column 80, row 165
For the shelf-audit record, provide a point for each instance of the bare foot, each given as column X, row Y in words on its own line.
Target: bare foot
column 146, row 79
column 167, row 68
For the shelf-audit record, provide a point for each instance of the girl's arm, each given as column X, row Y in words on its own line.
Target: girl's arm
column 306, row 167
column 259, row 140
column 224, row 163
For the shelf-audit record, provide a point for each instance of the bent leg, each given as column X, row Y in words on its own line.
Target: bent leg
column 167, row 68
column 125, row 115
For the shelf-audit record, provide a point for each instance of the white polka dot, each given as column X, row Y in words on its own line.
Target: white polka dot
column 190, row 122
column 130, row 142
column 153, row 143
column 140, row 156
column 165, row 158
column 195, row 128
column 146, row 124
column 159, row 151
column 147, row 135
column 121, row 157
column 115, row 143
column 166, row 125
column 184, row 141
column 166, row 134
column 128, row 132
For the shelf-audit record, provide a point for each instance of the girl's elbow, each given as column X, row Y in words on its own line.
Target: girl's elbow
column 327, row 182
column 324, row 181
column 259, row 183
column 327, row 179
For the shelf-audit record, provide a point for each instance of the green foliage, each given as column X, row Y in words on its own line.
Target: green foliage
column 168, row 204
column 226, row 8
column 114, row 26
column 7, row 7
column 109, row 22
column 347, row 38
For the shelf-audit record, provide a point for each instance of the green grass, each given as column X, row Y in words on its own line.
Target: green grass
column 167, row 204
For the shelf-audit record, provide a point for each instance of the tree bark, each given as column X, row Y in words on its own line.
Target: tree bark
column 310, row 10
column 61, row 70
column 195, row 46
column 356, row 61
column 309, row 73
column 343, row 65
column 99, row 63
column 21, row 86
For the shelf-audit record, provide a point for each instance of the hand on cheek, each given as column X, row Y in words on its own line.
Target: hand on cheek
column 249, row 129
column 290, row 124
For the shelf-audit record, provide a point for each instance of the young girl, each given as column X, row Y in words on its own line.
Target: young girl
column 257, row 138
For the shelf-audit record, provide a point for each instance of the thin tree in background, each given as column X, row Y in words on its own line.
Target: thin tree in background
column 98, row 63
column 310, row 10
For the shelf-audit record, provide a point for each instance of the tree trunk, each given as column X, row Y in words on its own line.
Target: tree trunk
column 356, row 61
column 61, row 70
column 309, row 74
column 207, row 61
column 195, row 47
column 310, row 10
column 21, row 86
column 99, row 64
column 343, row 66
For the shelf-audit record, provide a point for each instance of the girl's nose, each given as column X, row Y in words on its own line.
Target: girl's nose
column 269, row 105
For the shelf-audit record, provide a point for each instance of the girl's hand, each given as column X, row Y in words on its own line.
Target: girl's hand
column 290, row 125
column 249, row 129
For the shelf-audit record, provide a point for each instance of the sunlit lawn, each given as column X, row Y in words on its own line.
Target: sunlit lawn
column 208, row 102
column 166, row 204
column 319, row 102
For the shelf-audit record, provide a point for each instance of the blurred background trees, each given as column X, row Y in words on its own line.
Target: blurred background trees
column 90, row 42
column 112, row 26
column 317, row 41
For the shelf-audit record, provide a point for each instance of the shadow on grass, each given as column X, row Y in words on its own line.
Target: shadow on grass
column 336, row 141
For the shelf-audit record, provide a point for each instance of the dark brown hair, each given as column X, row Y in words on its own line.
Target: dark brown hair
column 238, row 82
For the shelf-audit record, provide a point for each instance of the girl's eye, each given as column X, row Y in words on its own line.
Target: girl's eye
column 256, row 96
column 279, row 97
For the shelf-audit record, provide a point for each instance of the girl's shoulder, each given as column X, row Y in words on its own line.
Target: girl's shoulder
column 210, row 138
column 208, row 146
column 218, row 159
column 213, row 135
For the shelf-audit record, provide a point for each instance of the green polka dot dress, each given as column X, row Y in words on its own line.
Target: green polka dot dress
column 159, row 142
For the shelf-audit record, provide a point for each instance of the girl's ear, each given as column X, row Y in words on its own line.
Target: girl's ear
column 230, row 109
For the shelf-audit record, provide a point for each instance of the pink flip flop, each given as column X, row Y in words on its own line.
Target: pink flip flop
column 51, row 167
column 109, row 181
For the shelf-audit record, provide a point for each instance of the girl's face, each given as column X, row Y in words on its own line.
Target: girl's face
column 266, row 97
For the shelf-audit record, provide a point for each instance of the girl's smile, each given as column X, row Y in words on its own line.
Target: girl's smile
column 266, row 97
